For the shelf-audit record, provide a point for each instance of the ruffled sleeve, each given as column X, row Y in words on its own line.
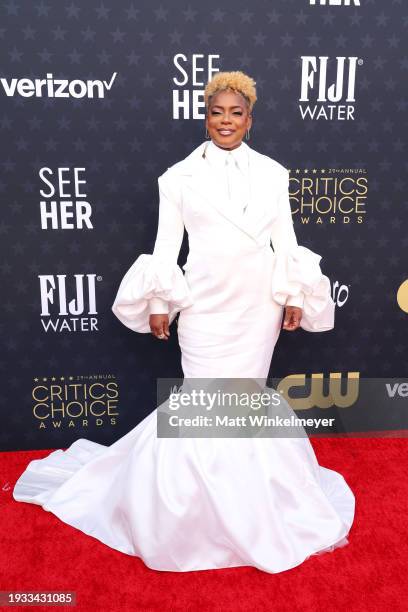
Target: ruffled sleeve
column 298, row 280
column 155, row 283
column 147, row 279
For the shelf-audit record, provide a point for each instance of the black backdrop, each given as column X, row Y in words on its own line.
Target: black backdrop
column 111, row 94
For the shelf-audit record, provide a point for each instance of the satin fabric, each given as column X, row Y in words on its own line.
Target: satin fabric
column 231, row 169
column 191, row 504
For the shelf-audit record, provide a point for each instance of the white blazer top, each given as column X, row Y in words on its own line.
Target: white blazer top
column 216, row 159
column 191, row 198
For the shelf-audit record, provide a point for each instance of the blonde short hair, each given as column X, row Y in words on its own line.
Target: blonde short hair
column 237, row 81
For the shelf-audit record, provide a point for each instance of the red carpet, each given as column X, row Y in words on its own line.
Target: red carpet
column 40, row 552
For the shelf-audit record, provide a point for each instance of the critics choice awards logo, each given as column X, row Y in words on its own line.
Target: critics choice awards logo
column 75, row 401
column 328, row 196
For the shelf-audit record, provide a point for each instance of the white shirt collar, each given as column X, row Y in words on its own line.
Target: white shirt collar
column 217, row 156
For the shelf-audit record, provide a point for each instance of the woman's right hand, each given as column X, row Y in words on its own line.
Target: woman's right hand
column 159, row 326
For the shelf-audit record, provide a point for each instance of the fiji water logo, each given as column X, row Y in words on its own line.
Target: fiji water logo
column 328, row 86
column 68, row 304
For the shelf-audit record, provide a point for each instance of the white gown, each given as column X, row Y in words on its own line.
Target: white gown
column 186, row 504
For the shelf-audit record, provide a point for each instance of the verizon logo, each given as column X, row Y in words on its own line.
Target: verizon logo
column 56, row 88
column 395, row 389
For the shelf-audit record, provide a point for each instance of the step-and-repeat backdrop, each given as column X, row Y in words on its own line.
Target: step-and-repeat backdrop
column 97, row 100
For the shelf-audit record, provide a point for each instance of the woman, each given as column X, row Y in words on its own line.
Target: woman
column 202, row 503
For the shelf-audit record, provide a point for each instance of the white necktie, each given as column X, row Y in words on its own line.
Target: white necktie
column 235, row 183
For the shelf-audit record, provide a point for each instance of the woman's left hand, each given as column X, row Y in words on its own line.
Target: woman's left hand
column 293, row 316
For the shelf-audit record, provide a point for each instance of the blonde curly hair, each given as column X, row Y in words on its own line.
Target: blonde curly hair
column 237, row 81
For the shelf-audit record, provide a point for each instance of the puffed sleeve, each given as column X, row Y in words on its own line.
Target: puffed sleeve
column 155, row 283
column 297, row 279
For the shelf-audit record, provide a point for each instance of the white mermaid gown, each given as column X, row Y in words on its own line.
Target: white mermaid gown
column 185, row 504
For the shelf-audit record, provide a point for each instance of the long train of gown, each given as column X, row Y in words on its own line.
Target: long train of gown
column 184, row 504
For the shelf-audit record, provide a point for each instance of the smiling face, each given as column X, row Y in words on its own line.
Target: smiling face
column 227, row 119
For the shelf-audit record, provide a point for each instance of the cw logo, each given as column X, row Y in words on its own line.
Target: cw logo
column 317, row 398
